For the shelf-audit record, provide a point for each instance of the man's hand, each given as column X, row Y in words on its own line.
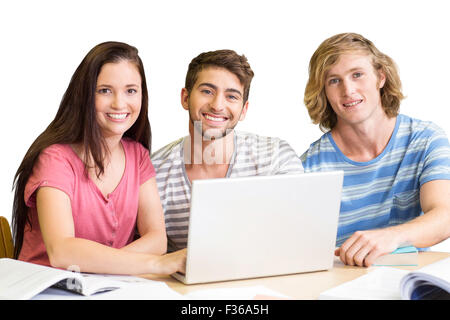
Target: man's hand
column 364, row 247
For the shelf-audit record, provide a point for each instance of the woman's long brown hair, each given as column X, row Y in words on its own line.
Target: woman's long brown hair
column 76, row 123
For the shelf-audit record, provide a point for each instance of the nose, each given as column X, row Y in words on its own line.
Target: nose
column 218, row 103
column 348, row 88
column 119, row 101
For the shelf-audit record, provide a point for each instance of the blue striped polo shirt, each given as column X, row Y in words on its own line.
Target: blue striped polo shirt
column 384, row 191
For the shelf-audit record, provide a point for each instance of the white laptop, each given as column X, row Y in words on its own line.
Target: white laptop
column 262, row 226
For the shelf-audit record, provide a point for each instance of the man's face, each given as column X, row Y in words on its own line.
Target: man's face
column 353, row 86
column 215, row 102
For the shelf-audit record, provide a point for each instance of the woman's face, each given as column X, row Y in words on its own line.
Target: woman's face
column 118, row 97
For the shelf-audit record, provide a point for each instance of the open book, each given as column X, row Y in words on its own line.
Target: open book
column 386, row 283
column 21, row 280
column 429, row 282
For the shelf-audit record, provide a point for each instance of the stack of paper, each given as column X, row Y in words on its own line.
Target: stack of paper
column 244, row 293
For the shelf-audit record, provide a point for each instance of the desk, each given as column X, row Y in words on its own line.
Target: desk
column 298, row 286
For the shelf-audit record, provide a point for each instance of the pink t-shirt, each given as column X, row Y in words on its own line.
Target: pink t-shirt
column 107, row 220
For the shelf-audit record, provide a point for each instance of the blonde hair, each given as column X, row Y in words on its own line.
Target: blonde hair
column 326, row 55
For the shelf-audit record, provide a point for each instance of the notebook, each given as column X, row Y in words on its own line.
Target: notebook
column 403, row 256
column 262, row 226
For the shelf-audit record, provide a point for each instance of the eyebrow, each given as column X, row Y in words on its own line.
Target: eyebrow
column 110, row 86
column 215, row 88
column 349, row 71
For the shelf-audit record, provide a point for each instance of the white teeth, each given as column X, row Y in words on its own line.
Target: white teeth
column 120, row 116
column 213, row 118
column 352, row 104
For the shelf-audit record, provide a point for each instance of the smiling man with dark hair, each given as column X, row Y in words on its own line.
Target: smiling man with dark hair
column 216, row 97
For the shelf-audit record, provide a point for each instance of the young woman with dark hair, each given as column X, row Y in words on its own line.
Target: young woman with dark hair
column 87, row 181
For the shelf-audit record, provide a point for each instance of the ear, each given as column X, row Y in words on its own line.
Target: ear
column 381, row 79
column 185, row 98
column 244, row 111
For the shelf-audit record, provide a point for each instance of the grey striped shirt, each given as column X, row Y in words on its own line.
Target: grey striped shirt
column 253, row 155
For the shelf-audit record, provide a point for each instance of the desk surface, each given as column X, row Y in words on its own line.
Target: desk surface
column 298, row 286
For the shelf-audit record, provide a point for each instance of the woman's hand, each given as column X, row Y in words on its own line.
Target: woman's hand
column 170, row 263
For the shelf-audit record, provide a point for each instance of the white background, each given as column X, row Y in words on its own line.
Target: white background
column 42, row 43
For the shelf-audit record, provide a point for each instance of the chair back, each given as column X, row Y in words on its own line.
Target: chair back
column 6, row 242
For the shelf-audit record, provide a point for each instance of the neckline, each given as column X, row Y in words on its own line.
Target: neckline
column 183, row 165
column 374, row 160
column 108, row 196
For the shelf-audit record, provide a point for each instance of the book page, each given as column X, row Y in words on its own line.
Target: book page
column 131, row 288
column 439, row 269
column 382, row 283
column 243, row 293
column 429, row 282
column 88, row 283
column 23, row 280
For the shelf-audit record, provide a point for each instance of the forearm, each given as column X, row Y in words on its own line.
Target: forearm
column 89, row 256
column 425, row 230
column 66, row 251
column 151, row 243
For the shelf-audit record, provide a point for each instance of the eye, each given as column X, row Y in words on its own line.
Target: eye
column 206, row 91
column 131, row 91
column 232, row 97
column 333, row 81
column 104, row 91
column 357, row 75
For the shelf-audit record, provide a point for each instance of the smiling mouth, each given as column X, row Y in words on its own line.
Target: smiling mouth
column 352, row 104
column 211, row 117
column 117, row 116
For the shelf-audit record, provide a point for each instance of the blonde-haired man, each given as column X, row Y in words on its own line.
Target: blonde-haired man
column 397, row 169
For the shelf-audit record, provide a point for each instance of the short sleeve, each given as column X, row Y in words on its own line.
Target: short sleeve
column 285, row 159
column 146, row 169
column 436, row 163
column 52, row 169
